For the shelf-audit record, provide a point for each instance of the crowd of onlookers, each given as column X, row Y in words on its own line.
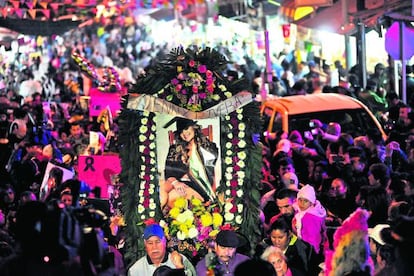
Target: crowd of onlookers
column 311, row 184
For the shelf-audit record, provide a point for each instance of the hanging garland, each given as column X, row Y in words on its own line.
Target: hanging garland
column 190, row 79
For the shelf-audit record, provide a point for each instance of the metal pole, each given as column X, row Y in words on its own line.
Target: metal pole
column 403, row 64
column 361, row 54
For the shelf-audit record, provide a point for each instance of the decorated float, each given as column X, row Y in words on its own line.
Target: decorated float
column 188, row 85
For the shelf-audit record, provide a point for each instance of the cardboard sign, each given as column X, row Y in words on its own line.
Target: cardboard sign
column 97, row 170
column 100, row 100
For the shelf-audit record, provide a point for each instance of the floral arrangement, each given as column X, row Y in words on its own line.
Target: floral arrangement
column 234, row 166
column 191, row 224
column 191, row 79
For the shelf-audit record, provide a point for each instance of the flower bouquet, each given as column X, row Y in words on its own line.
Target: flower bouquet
column 191, row 225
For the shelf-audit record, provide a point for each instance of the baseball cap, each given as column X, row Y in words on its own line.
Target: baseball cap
column 153, row 230
column 227, row 238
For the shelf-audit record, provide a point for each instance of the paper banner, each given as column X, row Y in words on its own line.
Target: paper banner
column 16, row 4
column 43, row 5
column 32, row 13
column 96, row 171
column 19, row 12
column 55, row 6
column 4, row 12
column 30, row 5
column 46, row 13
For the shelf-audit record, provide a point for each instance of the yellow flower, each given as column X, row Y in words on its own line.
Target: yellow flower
column 174, row 212
column 180, row 203
column 217, row 220
column 196, row 202
column 213, row 233
column 184, row 216
column 179, row 69
column 183, row 228
column 206, row 219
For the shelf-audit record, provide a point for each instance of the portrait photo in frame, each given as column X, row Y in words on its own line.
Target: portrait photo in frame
column 203, row 168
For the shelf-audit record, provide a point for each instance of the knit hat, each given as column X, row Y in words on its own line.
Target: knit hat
column 307, row 192
column 375, row 233
column 290, row 180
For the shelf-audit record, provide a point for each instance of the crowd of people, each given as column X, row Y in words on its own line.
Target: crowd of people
column 300, row 211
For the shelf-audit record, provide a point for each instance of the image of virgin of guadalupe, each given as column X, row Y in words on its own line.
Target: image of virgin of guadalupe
column 190, row 164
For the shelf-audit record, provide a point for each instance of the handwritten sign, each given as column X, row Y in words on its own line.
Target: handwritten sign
column 96, row 170
column 100, row 100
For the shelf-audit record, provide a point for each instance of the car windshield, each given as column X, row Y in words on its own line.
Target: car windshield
column 353, row 121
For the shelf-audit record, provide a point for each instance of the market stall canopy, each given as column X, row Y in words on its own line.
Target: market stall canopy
column 340, row 16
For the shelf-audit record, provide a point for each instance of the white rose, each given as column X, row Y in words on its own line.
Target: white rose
column 241, row 155
column 240, row 208
column 142, row 138
column 152, row 145
column 146, row 113
column 229, row 145
column 181, row 236
column 229, row 176
column 152, row 206
column 228, row 160
column 227, row 191
column 230, row 135
column 239, row 110
column 241, row 164
column 242, row 144
column 229, row 170
column 240, row 116
column 143, row 129
column 143, row 217
column 239, row 219
column 242, row 126
column 239, row 193
column 141, row 209
column 229, row 217
column 228, row 206
column 241, row 174
column 144, row 121
column 192, row 233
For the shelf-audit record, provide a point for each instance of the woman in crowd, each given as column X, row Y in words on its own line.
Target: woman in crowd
column 275, row 256
column 300, row 255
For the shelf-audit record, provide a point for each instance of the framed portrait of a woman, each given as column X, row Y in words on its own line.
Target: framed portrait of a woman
column 188, row 158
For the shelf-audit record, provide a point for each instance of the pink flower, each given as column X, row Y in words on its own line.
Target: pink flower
column 202, row 95
column 181, row 76
column 209, row 74
column 146, row 203
column 184, row 91
column 209, row 81
column 191, row 63
column 233, row 193
column 150, row 221
column 174, row 81
column 202, row 68
column 195, row 89
column 178, row 87
column 210, row 89
column 233, row 209
column 233, row 183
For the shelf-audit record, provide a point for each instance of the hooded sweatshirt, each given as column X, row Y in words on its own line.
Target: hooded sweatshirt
column 310, row 225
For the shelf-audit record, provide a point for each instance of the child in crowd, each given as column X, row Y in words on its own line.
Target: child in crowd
column 309, row 222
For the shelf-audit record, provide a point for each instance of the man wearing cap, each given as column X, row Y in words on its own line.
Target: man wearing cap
column 156, row 248
column 224, row 259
